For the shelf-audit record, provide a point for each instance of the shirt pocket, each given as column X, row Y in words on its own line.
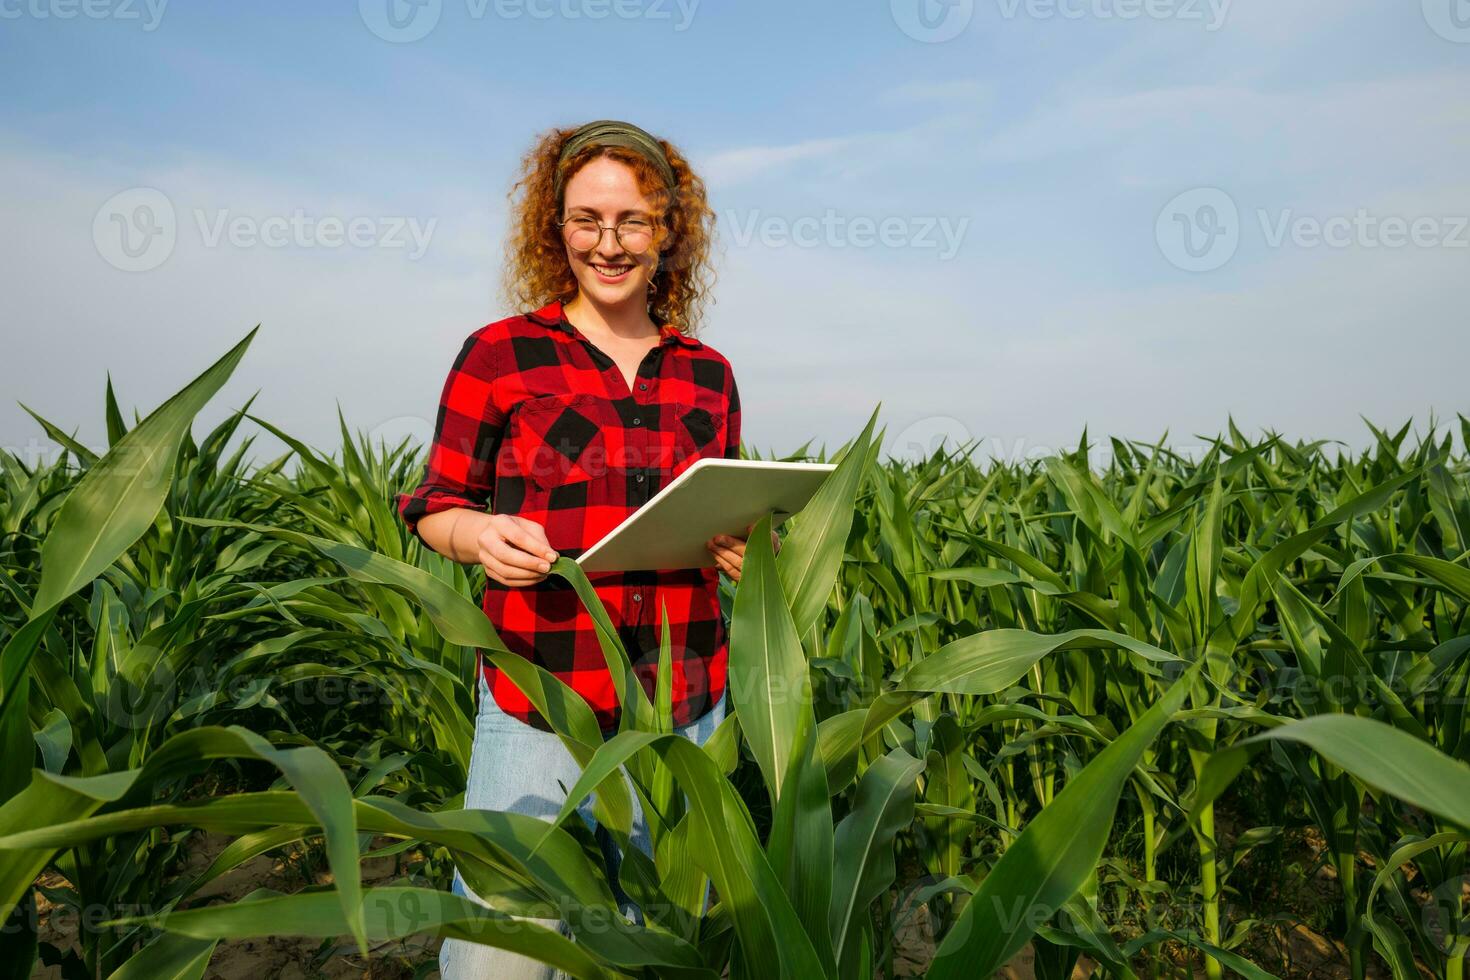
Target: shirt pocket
column 696, row 435
column 560, row 439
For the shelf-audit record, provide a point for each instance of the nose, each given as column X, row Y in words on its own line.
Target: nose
column 607, row 245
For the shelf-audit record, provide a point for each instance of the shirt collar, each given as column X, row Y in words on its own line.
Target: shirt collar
column 551, row 315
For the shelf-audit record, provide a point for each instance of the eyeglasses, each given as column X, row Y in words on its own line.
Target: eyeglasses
column 584, row 233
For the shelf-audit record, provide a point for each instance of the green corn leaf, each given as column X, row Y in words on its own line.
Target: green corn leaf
column 61, row 799
column 169, row 957
column 1257, row 584
column 85, row 456
column 1055, row 854
column 1387, row 759
column 460, row 621
column 1388, row 938
column 865, row 865
column 387, row 913
column 800, row 847
column 515, row 861
column 114, row 503
column 989, row 662
column 769, row 682
column 121, row 494
column 638, row 712
column 812, row 553
column 724, row 845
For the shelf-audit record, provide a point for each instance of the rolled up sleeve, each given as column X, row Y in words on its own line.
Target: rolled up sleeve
column 460, row 471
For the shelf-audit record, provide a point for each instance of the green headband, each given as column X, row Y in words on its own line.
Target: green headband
column 610, row 132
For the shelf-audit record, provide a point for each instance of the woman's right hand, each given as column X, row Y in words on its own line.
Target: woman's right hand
column 514, row 550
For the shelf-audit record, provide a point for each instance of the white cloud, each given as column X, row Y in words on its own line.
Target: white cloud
column 733, row 166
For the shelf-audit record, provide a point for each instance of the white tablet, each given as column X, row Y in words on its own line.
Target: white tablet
column 713, row 496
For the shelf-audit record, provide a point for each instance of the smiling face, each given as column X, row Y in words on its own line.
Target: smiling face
column 607, row 191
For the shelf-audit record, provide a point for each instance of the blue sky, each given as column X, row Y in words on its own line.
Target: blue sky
column 1025, row 217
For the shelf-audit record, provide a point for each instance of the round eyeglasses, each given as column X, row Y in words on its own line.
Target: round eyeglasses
column 584, row 233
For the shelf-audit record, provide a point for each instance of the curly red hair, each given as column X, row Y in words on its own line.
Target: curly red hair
column 538, row 272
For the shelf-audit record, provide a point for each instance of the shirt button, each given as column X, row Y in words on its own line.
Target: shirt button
column 640, row 477
column 642, row 386
column 637, row 597
column 637, row 420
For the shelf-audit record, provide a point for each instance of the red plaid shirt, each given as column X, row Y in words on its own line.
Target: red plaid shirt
column 536, row 416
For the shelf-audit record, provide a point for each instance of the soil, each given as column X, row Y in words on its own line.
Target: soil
column 284, row 958
column 1291, row 949
column 1304, row 889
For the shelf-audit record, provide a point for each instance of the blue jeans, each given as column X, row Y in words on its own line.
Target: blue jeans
column 515, row 767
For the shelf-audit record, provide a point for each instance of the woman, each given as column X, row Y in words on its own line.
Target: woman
column 564, row 420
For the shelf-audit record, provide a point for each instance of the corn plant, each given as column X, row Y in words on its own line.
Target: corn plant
column 1012, row 699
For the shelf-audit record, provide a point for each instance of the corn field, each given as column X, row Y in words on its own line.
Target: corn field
column 1150, row 720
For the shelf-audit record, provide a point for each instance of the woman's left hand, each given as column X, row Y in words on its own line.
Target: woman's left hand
column 729, row 551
